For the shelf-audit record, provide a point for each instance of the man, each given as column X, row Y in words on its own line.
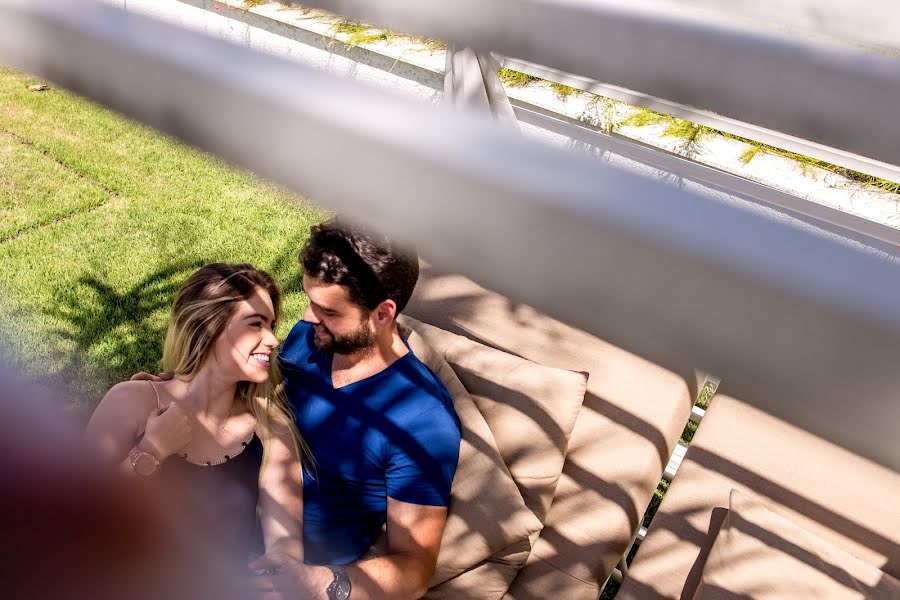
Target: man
column 381, row 427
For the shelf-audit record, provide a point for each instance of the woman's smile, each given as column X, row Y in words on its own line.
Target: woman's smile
column 261, row 359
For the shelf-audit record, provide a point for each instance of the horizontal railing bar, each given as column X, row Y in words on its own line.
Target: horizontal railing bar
column 837, row 222
column 840, row 158
column 791, row 322
column 839, row 97
column 873, row 23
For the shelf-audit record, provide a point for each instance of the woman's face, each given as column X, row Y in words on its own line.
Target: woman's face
column 243, row 351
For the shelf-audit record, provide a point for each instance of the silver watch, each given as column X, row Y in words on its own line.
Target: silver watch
column 339, row 589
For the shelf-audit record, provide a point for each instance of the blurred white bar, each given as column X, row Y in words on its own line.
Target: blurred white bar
column 803, row 328
column 825, row 218
column 872, row 23
column 837, row 96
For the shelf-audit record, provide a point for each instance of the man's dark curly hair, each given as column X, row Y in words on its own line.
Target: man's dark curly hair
column 372, row 267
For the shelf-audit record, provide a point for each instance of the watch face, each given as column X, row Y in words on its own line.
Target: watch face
column 145, row 464
column 343, row 590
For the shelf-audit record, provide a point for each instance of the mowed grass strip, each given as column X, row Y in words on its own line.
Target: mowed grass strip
column 36, row 190
column 87, row 283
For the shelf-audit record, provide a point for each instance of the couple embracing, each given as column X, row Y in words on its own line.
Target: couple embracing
column 300, row 460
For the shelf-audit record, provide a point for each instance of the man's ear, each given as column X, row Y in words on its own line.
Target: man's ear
column 385, row 312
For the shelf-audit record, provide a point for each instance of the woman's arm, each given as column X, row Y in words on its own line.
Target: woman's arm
column 281, row 495
column 128, row 409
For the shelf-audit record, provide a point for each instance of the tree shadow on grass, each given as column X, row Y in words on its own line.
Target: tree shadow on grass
column 286, row 267
column 112, row 333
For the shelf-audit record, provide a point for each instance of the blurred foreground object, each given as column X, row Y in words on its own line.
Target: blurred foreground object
column 72, row 530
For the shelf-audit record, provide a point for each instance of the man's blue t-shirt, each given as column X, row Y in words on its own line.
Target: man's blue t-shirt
column 394, row 434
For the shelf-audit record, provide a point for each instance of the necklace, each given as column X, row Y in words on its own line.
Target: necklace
column 219, row 426
column 221, row 461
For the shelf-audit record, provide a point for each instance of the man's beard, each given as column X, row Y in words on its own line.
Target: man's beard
column 361, row 339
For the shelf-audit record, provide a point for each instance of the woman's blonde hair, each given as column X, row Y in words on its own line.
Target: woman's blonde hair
column 202, row 309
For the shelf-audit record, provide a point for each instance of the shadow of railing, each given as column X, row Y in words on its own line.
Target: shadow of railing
column 692, row 527
column 643, row 412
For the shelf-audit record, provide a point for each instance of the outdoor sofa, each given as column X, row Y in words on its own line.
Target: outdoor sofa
column 762, row 509
column 585, row 429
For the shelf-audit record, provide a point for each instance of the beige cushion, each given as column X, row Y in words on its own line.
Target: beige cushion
column 542, row 580
column 487, row 513
column 531, row 409
column 834, row 494
column 631, row 418
column 761, row 555
column 487, row 580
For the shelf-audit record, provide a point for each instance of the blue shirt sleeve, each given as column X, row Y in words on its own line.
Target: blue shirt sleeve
column 296, row 347
column 421, row 466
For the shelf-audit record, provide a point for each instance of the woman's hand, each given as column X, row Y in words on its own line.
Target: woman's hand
column 168, row 430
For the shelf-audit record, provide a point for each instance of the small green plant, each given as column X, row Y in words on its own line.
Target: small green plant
column 359, row 33
column 882, row 184
column 750, row 153
column 807, row 164
column 693, row 132
column 563, row 91
column 644, row 117
column 685, row 130
column 601, row 112
column 515, row 78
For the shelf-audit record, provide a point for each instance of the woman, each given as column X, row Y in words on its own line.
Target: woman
column 217, row 437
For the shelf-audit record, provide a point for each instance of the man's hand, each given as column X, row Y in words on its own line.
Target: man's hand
column 142, row 376
column 278, row 576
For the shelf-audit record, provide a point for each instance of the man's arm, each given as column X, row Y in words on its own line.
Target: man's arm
column 413, row 536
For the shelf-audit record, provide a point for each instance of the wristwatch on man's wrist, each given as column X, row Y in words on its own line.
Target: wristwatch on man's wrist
column 339, row 588
column 143, row 463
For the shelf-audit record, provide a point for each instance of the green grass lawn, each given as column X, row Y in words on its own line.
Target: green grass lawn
column 101, row 220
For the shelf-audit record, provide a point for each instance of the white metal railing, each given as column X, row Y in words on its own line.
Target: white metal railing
column 792, row 322
column 796, row 86
column 811, row 212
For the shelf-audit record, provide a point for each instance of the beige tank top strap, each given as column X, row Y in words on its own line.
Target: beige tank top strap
column 155, row 392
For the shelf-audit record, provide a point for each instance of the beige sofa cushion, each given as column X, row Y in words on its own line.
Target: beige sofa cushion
column 759, row 554
column 488, row 580
column 531, row 409
column 632, row 416
column 487, row 513
column 844, row 499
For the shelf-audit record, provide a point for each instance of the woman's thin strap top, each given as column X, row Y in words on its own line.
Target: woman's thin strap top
column 155, row 392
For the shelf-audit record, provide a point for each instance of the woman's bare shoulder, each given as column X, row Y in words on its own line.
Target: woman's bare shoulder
column 130, row 397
